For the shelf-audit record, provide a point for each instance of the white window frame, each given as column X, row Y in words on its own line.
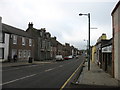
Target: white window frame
column 29, row 53
column 20, row 54
column 30, row 42
column 14, row 39
column 23, row 41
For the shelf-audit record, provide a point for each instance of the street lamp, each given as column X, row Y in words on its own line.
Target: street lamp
column 86, row 46
column 86, row 49
column 88, row 38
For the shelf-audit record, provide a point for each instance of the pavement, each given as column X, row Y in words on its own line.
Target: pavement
column 22, row 63
column 95, row 78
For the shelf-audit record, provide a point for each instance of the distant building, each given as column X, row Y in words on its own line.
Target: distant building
column 99, row 49
column 93, row 54
column 53, row 47
column 116, row 40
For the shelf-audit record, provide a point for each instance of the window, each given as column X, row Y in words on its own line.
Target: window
column 41, row 33
column 25, row 53
column 1, row 53
column 30, row 42
column 47, row 35
column 29, row 53
column 48, row 45
column 2, row 37
column 43, row 44
column 14, row 39
column 20, row 53
column 23, row 40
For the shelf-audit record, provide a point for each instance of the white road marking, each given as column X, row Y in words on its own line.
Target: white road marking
column 61, row 66
column 18, row 79
column 11, row 69
column 49, row 69
column 20, row 68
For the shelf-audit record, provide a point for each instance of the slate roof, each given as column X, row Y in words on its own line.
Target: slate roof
column 13, row 30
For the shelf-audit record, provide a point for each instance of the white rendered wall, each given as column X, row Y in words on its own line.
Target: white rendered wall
column 5, row 45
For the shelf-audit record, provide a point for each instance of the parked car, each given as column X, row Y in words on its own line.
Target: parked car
column 77, row 56
column 59, row 58
column 68, row 57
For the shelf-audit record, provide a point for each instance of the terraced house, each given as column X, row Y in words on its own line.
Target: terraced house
column 42, row 42
column 16, row 42
column 35, row 43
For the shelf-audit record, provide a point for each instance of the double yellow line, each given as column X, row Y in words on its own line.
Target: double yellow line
column 71, row 76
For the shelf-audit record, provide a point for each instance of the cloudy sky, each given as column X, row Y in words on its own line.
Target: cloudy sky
column 61, row 18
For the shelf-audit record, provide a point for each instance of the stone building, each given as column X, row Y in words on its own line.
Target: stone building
column 53, row 47
column 42, row 42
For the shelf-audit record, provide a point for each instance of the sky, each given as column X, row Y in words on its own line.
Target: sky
column 61, row 18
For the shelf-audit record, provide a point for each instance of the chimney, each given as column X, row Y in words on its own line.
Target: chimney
column 43, row 29
column 30, row 25
column 0, row 23
column 54, row 37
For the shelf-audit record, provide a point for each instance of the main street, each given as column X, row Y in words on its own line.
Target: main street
column 40, row 75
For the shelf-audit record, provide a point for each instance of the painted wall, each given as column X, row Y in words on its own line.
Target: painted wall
column 4, row 45
column 116, row 28
column 93, row 53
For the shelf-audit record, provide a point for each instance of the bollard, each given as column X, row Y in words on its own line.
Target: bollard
column 30, row 60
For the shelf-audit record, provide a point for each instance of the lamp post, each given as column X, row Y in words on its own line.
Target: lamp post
column 86, row 46
column 86, row 49
column 88, row 38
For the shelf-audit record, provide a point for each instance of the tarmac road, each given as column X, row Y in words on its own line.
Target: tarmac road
column 41, row 75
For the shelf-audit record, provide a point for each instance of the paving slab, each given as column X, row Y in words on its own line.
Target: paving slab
column 96, row 76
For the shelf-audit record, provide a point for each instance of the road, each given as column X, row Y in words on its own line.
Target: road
column 41, row 75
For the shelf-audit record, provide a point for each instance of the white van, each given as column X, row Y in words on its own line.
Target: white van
column 59, row 58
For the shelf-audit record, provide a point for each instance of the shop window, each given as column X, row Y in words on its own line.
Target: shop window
column 109, row 59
